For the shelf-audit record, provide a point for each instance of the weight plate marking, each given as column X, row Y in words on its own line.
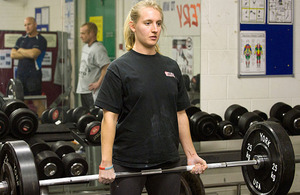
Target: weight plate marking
column 276, row 176
column 18, row 155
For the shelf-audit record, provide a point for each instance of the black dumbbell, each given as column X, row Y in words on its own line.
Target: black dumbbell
column 97, row 112
column 48, row 164
column 225, row 128
column 240, row 117
column 202, row 125
column 23, row 122
column 4, row 123
column 263, row 115
column 93, row 132
column 288, row 116
column 84, row 120
column 78, row 112
column 55, row 115
column 74, row 164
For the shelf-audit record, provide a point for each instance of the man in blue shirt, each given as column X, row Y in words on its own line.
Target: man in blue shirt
column 30, row 51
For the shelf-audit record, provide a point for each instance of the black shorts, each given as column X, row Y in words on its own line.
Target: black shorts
column 158, row 184
column 32, row 82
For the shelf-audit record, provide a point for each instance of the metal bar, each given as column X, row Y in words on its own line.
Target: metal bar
column 297, row 159
column 3, row 187
column 86, row 178
column 232, row 164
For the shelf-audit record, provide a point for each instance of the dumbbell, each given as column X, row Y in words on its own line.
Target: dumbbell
column 4, row 123
column 91, row 127
column 203, row 126
column 225, row 128
column 23, row 122
column 288, row 116
column 97, row 112
column 74, row 164
column 48, row 163
column 78, row 112
column 55, row 115
column 241, row 118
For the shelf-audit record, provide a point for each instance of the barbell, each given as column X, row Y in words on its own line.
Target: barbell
column 267, row 161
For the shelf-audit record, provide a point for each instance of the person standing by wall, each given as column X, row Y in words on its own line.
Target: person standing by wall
column 143, row 98
column 30, row 51
column 93, row 65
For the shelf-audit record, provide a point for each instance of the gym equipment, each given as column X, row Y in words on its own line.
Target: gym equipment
column 84, row 120
column 93, row 132
column 225, row 128
column 3, row 124
column 241, row 118
column 267, row 161
column 288, row 116
column 55, row 115
column 202, row 124
column 78, row 112
column 74, row 164
column 48, row 164
column 14, row 89
column 23, row 122
column 263, row 115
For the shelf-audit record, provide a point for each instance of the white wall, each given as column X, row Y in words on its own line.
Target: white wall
column 13, row 13
column 220, row 85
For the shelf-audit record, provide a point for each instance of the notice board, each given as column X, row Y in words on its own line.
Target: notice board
column 266, row 37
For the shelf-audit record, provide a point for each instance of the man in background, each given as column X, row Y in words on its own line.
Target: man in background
column 93, row 65
column 30, row 51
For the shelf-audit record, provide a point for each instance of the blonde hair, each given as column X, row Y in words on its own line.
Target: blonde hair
column 133, row 16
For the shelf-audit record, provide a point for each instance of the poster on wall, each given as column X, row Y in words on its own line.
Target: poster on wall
column 182, row 50
column 69, row 21
column 5, row 60
column 181, row 17
column 252, row 53
column 280, row 12
column 253, row 12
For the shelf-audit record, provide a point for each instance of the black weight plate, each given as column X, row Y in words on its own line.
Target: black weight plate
column 78, row 112
column 217, row 117
column 75, row 165
column 69, row 115
column 297, row 107
column 37, row 145
column 7, row 175
column 93, row 132
column 234, row 112
column 23, row 123
column 57, row 114
column 99, row 115
column 226, row 129
column 94, row 111
column 192, row 110
column 44, row 117
column 291, row 121
column 12, row 105
column 15, row 89
column 4, row 123
column 2, row 102
column 203, row 126
column 49, row 165
column 18, row 155
column 279, row 109
column 263, row 115
column 61, row 148
column 84, row 120
column 277, row 174
column 246, row 120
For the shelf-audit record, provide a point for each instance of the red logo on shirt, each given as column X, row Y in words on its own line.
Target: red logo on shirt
column 169, row 74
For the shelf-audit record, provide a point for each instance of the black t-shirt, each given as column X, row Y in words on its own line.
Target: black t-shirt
column 146, row 91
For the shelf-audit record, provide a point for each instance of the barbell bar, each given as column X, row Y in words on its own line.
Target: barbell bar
column 267, row 161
